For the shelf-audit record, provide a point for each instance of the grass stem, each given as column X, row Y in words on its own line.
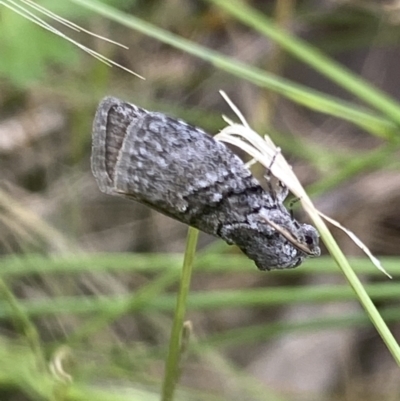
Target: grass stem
column 172, row 369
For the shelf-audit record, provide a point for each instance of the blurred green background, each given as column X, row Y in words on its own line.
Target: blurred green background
column 88, row 281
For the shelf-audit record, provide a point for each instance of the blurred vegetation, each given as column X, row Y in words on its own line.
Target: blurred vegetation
column 88, row 282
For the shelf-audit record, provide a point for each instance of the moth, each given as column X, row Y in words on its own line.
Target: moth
column 182, row 172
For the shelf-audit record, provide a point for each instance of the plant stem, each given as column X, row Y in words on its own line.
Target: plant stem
column 174, row 351
column 358, row 288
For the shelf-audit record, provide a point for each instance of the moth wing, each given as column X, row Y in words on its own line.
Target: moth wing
column 110, row 124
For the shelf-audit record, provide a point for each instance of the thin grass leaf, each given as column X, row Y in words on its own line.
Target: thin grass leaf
column 172, row 364
column 267, row 154
column 315, row 100
column 30, row 16
column 313, row 57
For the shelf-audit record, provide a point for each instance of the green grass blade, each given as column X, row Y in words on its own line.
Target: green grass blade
column 264, row 332
column 201, row 300
column 172, row 364
column 358, row 288
column 298, row 93
column 19, row 266
column 313, row 57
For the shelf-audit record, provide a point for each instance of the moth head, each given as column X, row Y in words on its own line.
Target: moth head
column 275, row 241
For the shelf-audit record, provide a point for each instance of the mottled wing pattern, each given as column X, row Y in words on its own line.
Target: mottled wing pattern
column 184, row 173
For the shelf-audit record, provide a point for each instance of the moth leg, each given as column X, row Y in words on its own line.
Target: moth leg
column 280, row 191
column 291, row 204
